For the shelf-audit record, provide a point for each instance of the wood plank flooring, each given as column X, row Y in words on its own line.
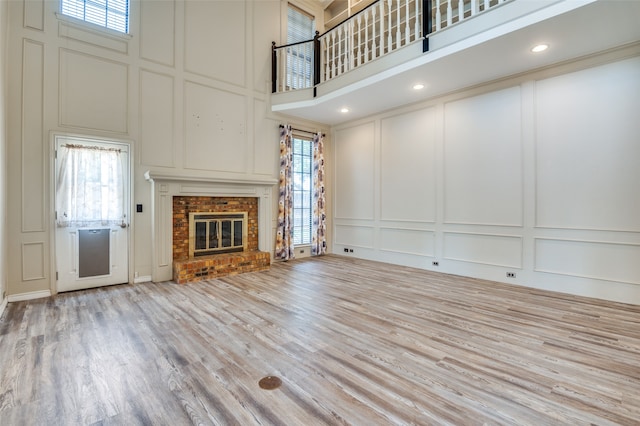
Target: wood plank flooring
column 354, row 342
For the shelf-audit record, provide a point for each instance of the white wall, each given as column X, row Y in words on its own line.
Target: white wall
column 537, row 176
column 3, row 151
column 189, row 88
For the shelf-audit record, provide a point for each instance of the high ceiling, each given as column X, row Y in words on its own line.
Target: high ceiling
column 573, row 29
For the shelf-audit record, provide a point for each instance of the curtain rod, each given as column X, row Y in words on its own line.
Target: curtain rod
column 89, row 147
column 303, row 131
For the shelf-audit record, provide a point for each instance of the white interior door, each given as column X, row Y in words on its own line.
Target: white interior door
column 92, row 213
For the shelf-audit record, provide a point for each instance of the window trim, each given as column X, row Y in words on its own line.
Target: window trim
column 91, row 27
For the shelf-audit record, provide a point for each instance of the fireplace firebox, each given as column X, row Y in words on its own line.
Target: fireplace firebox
column 215, row 233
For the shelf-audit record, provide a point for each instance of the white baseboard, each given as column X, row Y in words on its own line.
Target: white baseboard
column 3, row 305
column 143, row 279
column 29, row 296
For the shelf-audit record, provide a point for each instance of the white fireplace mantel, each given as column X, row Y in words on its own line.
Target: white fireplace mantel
column 166, row 185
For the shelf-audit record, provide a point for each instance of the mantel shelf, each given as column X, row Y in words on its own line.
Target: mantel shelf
column 157, row 175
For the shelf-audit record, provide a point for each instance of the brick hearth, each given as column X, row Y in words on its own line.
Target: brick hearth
column 219, row 265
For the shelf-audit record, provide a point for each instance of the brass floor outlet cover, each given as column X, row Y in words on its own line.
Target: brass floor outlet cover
column 270, row 382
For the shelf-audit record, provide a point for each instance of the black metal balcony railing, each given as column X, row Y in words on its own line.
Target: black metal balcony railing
column 381, row 28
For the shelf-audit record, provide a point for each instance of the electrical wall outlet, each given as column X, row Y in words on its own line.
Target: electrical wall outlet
column 435, row 263
column 346, row 250
column 511, row 274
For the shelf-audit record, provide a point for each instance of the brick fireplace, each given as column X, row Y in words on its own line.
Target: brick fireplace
column 176, row 195
column 188, row 268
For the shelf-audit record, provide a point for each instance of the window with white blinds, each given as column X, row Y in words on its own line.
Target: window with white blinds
column 112, row 14
column 302, row 190
column 300, row 27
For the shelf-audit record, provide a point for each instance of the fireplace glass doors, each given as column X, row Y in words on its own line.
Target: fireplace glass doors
column 213, row 233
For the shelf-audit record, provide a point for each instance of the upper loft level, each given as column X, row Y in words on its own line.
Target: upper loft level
column 378, row 51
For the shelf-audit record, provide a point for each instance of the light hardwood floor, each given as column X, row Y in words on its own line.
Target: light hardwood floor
column 354, row 342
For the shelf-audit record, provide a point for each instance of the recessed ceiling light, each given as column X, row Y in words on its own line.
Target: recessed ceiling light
column 539, row 48
column 344, row 110
column 418, row 86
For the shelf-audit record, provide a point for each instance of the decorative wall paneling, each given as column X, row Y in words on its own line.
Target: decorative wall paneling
column 266, row 156
column 214, row 40
column 265, row 29
column 483, row 159
column 487, row 249
column 34, row 147
column 591, row 179
column 157, row 32
column 408, row 166
column 417, row 242
column 355, row 172
column 215, row 129
column 93, row 93
column 33, row 261
column 355, row 236
column 28, row 216
column 118, row 44
column 598, row 260
column 536, row 176
column 156, row 119
column 34, row 14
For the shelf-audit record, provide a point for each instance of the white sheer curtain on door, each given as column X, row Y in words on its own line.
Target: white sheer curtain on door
column 90, row 187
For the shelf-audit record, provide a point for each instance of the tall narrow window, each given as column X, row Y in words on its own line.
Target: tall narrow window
column 112, row 14
column 300, row 28
column 302, row 190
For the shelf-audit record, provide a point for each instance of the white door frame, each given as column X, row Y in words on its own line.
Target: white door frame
column 52, row 197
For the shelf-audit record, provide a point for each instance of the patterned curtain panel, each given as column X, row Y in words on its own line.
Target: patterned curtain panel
column 319, row 229
column 284, row 239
